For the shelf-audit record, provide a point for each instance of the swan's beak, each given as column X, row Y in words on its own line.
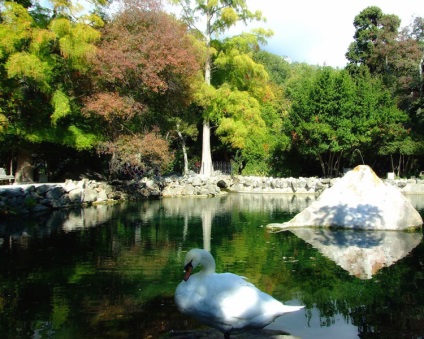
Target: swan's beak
column 188, row 269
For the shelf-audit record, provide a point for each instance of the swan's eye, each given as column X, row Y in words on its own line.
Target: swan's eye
column 188, row 266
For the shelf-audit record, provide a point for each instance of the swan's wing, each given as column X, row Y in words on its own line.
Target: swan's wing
column 227, row 301
column 245, row 306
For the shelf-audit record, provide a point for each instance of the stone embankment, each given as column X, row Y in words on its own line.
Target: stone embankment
column 32, row 198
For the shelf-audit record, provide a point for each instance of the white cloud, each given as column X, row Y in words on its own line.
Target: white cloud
column 319, row 32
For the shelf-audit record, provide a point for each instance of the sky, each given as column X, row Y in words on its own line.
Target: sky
column 319, row 32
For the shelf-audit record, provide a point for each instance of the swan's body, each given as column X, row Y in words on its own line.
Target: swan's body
column 224, row 301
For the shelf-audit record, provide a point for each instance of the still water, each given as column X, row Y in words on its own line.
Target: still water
column 111, row 271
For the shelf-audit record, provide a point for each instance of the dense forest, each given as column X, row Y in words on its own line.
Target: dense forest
column 118, row 89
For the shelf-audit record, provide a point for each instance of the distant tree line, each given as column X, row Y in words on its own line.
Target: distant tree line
column 138, row 90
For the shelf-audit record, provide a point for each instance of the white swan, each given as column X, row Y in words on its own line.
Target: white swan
column 224, row 301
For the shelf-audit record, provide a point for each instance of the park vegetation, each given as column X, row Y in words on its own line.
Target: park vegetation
column 122, row 89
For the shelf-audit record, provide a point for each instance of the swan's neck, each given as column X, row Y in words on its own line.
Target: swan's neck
column 208, row 264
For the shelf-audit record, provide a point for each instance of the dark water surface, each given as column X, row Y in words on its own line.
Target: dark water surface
column 111, row 271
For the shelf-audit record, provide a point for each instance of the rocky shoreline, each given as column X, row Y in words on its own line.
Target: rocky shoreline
column 33, row 198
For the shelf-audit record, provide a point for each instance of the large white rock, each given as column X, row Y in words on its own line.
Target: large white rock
column 359, row 200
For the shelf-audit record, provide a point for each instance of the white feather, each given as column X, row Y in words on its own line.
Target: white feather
column 225, row 301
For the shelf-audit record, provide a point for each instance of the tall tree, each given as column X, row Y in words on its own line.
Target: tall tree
column 385, row 49
column 44, row 57
column 244, row 105
column 143, row 80
column 395, row 55
column 374, row 30
column 216, row 16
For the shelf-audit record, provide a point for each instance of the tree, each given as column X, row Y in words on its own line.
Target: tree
column 44, row 58
column 143, row 80
column 412, row 96
column 333, row 114
column 394, row 55
column 276, row 66
column 218, row 16
column 385, row 49
column 244, row 105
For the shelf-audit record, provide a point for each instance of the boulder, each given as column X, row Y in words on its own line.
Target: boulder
column 359, row 200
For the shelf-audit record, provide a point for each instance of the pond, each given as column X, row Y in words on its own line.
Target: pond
column 111, row 271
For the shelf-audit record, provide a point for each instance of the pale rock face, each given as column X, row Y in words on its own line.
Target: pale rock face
column 359, row 200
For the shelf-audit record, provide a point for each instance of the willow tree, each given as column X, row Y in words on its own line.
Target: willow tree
column 216, row 16
column 44, row 57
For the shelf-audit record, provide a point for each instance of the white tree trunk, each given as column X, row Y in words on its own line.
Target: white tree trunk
column 207, row 168
column 184, row 149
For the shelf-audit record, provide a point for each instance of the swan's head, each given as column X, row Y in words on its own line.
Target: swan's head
column 197, row 257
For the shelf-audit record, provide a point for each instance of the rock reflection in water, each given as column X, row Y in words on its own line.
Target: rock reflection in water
column 361, row 253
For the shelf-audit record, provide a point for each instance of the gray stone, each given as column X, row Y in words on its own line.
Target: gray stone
column 222, row 184
column 413, row 188
column 360, row 200
column 76, row 196
column 188, row 190
column 55, row 192
column 56, row 203
column 42, row 189
column 39, row 208
column 90, row 195
column 102, row 196
column 196, row 181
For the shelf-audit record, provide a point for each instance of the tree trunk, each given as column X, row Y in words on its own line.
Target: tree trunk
column 321, row 161
column 207, row 167
column 184, row 149
column 24, row 170
column 393, row 165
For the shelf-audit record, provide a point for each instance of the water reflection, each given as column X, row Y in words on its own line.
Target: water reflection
column 361, row 253
column 187, row 208
column 111, row 271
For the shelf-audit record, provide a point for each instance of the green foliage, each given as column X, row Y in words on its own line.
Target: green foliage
column 244, row 104
column 220, row 14
column 61, row 105
column 277, row 67
column 15, row 28
column 25, row 65
column 42, row 61
column 334, row 114
column 79, row 138
column 75, row 41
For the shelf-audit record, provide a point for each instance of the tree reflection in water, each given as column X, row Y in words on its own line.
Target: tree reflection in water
column 110, row 271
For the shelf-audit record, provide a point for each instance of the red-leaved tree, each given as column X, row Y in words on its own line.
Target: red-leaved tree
column 142, row 81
